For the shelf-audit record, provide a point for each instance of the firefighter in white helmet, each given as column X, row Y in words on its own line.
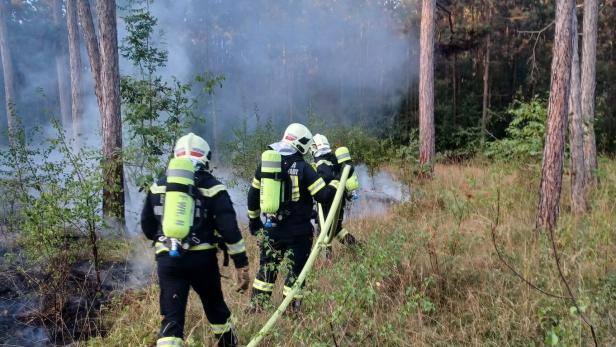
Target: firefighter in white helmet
column 329, row 165
column 189, row 259
column 282, row 192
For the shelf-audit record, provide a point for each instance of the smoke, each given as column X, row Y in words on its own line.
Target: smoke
column 377, row 193
column 345, row 61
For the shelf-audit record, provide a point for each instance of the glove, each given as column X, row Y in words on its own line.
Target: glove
column 348, row 196
column 243, row 279
column 254, row 225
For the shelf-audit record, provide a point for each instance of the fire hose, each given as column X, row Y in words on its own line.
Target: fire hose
column 324, row 238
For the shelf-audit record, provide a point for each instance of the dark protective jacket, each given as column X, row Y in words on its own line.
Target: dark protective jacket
column 327, row 167
column 301, row 186
column 219, row 214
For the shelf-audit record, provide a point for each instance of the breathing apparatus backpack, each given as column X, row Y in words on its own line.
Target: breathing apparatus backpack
column 179, row 206
column 272, row 187
column 352, row 184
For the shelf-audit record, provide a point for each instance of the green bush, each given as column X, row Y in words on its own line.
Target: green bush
column 525, row 132
column 58, row 199
column 156, row 112
column 365, row 147
column 243, row 151
column 464, row 143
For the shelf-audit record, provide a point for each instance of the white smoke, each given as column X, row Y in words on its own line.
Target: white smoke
column 346, row 61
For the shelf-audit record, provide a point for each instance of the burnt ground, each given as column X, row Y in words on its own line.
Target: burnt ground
column 33, row 313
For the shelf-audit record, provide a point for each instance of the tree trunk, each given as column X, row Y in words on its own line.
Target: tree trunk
column 113, row 191
column 454, row 82
column 89, row 37
column 61, row 64
column 214, row 129
column 486, row 92
column 553, row 153
column 426, row 87
column 576, row 129
column 589, row 60
column 7, row 69
column 75, row 63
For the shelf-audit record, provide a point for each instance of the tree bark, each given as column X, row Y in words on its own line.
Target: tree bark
column 89, row 37
column 7, row 69
column 576, row 129
column 553, row 153
column 61, row 65
column 454, row 83
column 75, row 63
column 486, row 92
column 426, row 87
column 589, row 60
column 113, row 191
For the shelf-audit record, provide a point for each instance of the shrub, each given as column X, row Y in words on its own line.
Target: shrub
column 365, row 147
column 156, row 112
column 525, row 132
column 245, row 148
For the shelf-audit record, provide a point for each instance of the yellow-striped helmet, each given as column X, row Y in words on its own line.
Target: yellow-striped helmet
column 298, row 136
column 193, row 147
column 320, row 145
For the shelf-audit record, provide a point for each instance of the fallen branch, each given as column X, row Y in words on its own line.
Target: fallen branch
column 571, row 295
column 501, row 257
column 331, row 326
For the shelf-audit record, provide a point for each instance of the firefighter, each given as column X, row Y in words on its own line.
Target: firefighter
column 192, row 261
column 283, row 190
column 329, row 167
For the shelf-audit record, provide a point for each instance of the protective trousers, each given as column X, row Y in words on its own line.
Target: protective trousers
column 273, row 250
column 340, row 233
column 199, row 270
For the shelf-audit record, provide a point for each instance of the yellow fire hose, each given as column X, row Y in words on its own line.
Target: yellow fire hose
column 321, row 241
column 331, row 232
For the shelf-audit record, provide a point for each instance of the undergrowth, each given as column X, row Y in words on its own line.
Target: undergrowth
column 428, row 274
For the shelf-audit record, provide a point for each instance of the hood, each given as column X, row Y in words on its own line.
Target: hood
column 283, row 148
column 321, row 152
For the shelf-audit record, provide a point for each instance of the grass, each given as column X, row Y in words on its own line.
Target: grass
column 428, row 274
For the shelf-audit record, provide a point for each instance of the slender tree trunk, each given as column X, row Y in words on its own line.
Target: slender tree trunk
column 576, row 130
column 61, row 65
column 215, row 127
column 454, row 82
column 7, row 69
column 89, row 37
column 554, row 150
column 426, row 87
column 486, row 92
column 589, row 60
column 113, row 192
column 75, row 63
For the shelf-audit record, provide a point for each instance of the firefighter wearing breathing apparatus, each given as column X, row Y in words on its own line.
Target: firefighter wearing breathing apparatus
column 329, row 167
column 282, row 191
column 186, row 213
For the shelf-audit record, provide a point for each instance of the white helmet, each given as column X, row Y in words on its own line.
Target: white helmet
column 298, row 136
column 320, row 146
column 193, row 147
